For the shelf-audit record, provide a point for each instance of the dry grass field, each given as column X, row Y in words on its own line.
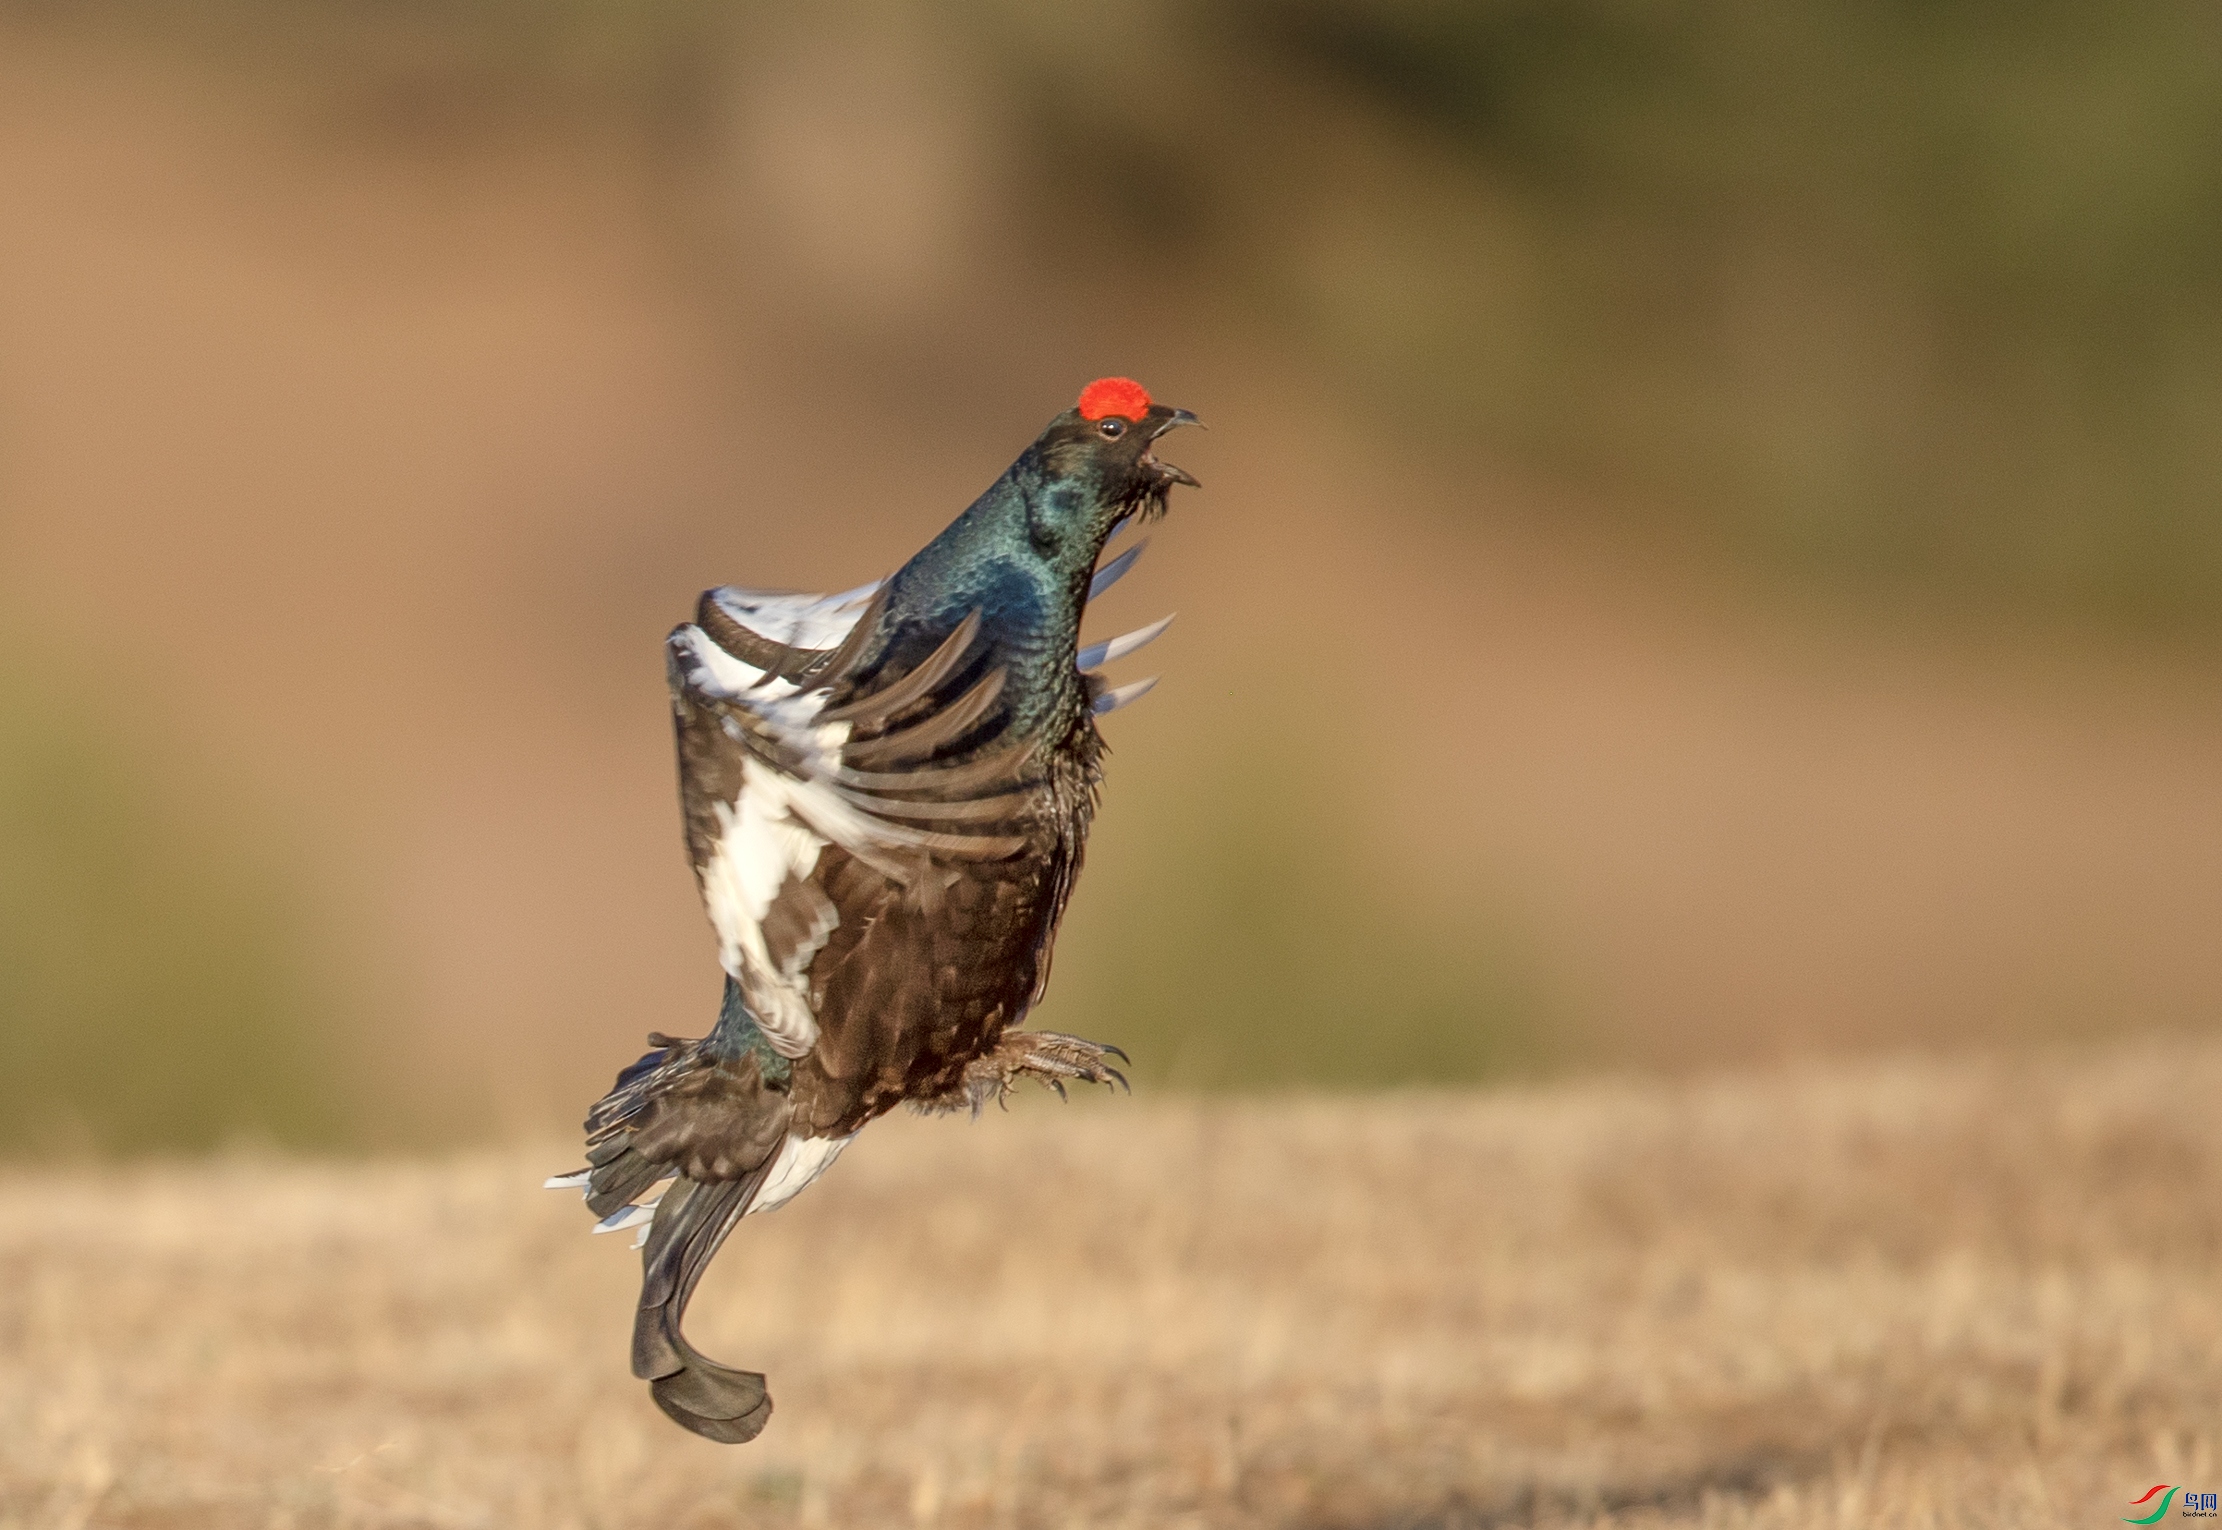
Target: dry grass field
column 1967, row 1293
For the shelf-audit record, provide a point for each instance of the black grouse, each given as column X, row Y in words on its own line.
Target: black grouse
column 886, row 796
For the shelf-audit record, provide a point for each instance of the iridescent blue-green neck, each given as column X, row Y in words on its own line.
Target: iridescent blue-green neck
column 1021, row 556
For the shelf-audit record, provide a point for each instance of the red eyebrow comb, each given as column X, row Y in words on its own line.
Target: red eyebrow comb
column 1114, row 395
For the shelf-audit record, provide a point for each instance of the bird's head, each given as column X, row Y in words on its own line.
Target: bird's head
column 1101, row 454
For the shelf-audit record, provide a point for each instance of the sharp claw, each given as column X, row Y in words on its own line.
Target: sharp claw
column 1119, row 1053
column 1058, row 1084
column 1121, row 1077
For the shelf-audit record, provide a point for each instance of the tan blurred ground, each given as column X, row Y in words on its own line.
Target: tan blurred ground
column 1976, row 1294
column 353, row 474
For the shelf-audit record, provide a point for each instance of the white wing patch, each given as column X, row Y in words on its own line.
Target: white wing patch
column 775, row 828
column 800, row 621
column 762, row 842
column 812, row 798
column 718, row 673
column 761, row 846
column 801, row 785
column 801, row 1160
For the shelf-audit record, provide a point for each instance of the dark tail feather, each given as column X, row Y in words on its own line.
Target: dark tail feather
column 715, row 1401
column 617, row 1183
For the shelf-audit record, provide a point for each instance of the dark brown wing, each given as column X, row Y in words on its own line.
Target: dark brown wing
column 774, row 776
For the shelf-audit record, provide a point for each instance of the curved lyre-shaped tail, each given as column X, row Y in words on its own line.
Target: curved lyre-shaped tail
column 716, row 1401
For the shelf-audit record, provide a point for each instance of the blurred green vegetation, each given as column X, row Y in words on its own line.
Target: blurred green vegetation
column 1899, row 296
column 153, row 993
column 1903, row 296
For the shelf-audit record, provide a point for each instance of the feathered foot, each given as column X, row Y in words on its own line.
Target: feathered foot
column 1050, row 1056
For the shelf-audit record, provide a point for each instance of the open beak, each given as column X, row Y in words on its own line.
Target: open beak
column 1166, row 470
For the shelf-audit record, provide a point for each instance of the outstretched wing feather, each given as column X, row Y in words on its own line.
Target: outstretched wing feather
column 887, row 701
column 944, row 727
column 770, row 777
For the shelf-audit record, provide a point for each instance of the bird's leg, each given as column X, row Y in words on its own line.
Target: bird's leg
column 1050, row 1056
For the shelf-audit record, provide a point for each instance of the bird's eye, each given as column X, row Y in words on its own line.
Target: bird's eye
column 1112, row 427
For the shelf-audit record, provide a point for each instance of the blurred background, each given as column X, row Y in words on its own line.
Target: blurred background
column 1711, row 550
